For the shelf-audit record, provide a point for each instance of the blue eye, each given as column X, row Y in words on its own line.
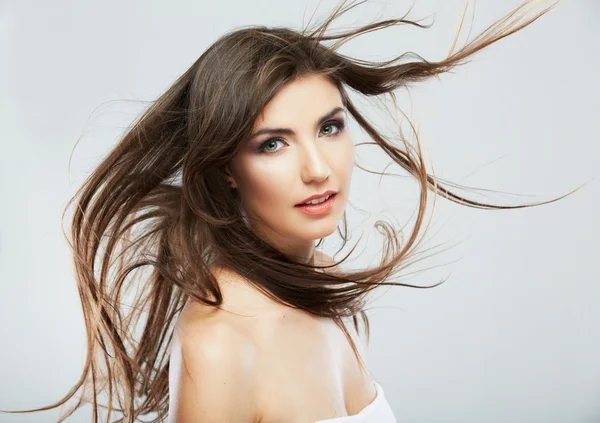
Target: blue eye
column 272, row 141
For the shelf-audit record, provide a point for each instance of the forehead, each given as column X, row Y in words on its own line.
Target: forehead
column 304, row 98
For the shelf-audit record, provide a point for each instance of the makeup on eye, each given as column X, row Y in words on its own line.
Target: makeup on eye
column 339, row 123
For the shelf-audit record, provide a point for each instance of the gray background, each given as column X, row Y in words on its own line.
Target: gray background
column 512, row 336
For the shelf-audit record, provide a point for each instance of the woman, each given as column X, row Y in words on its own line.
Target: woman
column 245, row 320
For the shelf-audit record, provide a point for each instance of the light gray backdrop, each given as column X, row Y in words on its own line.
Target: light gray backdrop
column 512, row 336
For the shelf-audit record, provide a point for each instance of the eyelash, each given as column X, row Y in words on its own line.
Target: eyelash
column 339, row 123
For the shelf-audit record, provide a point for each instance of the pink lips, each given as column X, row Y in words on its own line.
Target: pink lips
column 314, row 197
column 318, row 209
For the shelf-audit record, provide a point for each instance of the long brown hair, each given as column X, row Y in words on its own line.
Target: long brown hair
column 160, row 201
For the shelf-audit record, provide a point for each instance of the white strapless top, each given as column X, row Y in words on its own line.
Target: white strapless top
column 379, row 411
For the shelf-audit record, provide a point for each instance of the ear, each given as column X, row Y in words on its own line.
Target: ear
column 229, row 176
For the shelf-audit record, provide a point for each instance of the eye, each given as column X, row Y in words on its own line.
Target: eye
column 270, row 145
column 337, row 123
column 264, row 147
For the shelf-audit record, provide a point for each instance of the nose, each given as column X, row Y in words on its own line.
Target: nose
column 314, row 165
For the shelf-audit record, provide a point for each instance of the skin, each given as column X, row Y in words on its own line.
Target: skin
column 293, row 167
column 287, row 365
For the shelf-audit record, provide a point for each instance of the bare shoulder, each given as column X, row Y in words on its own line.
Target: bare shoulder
column 212, row 373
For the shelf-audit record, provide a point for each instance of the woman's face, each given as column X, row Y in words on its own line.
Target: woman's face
column 303, row 138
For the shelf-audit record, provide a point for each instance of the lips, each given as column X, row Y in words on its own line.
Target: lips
column 321, row 201
column 316, row 196
column 319, row 209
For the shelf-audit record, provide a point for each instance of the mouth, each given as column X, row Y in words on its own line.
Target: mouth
column 318, row 198
column 316, row 201
column 318, row 206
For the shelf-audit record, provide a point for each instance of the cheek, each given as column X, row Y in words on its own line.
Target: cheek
column 266, row 185
column 343, row 159
column 350, row 158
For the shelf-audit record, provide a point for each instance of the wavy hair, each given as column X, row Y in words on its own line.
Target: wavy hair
column 159, row 201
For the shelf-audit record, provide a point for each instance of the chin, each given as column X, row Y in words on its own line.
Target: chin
column 316, row 230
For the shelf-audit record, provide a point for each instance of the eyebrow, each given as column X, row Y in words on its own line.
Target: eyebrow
column 288, row 131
